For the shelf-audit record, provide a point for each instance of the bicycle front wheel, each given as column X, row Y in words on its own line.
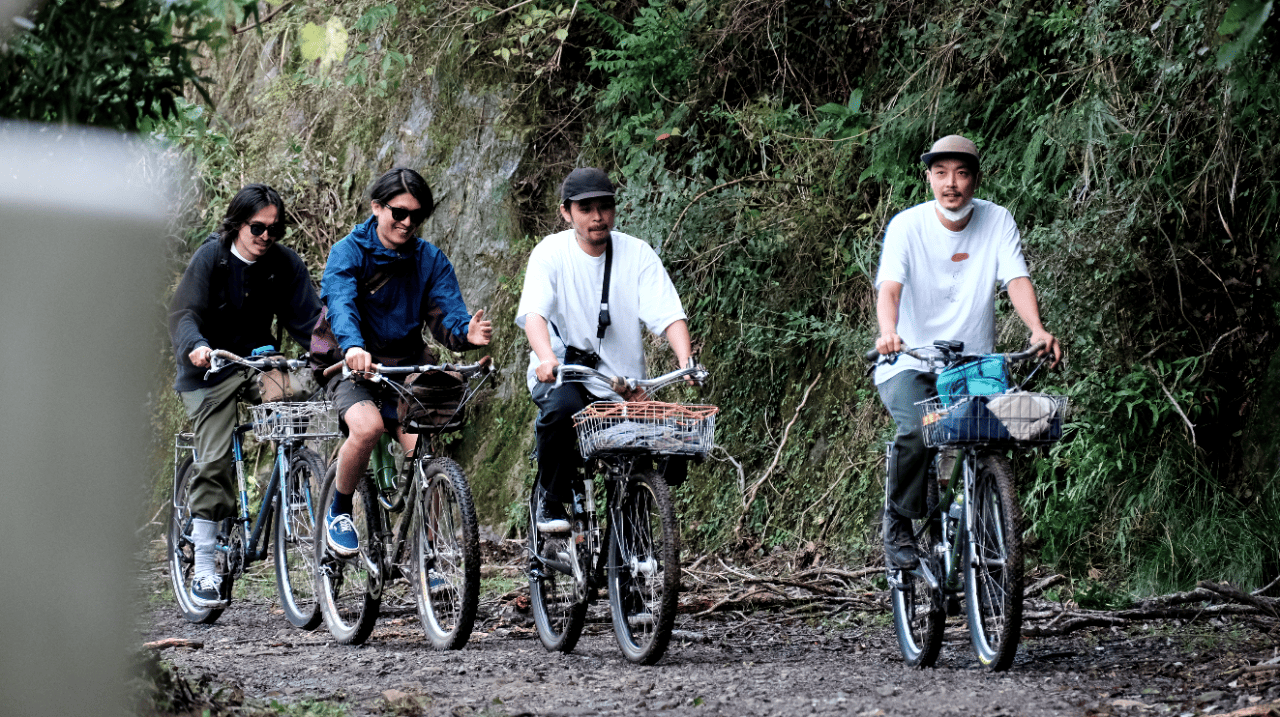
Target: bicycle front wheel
column 558, row 600
column 644, row 568
column 181, row 550
column 919, row 618
column 446, row 554
column 993, row 564
column 347, row 589
column 295, row 550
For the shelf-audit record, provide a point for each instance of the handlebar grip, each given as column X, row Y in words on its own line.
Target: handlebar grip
column 333, row 368
column 224, row 354
column 872, row 355
column 618, row 384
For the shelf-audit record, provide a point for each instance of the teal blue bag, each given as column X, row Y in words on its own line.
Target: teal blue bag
column 980, row 376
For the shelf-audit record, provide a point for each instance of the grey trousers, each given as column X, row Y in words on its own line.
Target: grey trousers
column 212, row 412
column 909, row 458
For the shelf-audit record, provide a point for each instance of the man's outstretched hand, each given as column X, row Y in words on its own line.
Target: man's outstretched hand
column 480, row 330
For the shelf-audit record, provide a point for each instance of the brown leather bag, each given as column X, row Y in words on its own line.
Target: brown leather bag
column 434, row 403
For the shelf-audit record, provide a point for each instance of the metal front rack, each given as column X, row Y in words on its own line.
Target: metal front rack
column 645, row 427
column 281, row 420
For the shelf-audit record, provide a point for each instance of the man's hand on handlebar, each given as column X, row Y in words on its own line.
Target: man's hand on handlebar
column 889, row 343
column 358, row 360
column 200, row 356
column 1052, row 347
column 546, row 371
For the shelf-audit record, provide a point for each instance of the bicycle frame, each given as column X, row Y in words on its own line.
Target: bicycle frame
column 266, row 509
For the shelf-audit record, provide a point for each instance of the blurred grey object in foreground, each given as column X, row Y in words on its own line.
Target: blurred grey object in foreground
column 82, row 217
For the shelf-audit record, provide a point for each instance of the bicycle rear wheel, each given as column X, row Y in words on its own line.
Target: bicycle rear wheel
column 558, row 602
column 993, row 564
column 644, row 568
column 348, row 591
column 919, row 617
column 295, row 550
column 182, row 550
column 446, row 554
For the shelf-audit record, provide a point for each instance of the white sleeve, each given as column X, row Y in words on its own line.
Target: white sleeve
column 893, row 257
column 661, row 305
column 1010, row 263
column 539, row 293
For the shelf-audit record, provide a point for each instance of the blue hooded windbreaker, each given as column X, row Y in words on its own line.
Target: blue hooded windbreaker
column 418, row 285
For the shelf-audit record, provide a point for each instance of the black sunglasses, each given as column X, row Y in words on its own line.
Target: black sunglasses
column 399, row 213
column 275, row 231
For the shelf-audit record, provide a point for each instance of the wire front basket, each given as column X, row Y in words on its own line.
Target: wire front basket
column 645, row 427
column 281, row 420
column 1014, row 418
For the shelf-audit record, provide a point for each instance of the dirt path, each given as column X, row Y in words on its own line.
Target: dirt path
column 758, row 663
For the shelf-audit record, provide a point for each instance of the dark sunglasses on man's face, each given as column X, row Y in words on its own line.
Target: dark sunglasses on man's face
column 399, row 213
column 275, row 231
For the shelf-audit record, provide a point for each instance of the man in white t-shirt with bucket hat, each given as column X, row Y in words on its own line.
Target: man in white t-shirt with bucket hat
column 568, row 320
column 941, row 264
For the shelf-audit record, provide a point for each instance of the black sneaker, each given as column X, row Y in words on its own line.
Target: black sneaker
column 551, row 517
column 207, row 592
column 900, row 549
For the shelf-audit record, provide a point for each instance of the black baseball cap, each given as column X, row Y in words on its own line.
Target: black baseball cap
column 585, row 183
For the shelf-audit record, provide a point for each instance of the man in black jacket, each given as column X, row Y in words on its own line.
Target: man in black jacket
column 236, row 284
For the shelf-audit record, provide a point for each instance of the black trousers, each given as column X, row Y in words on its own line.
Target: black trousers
column 557, row 441
column 558, row 456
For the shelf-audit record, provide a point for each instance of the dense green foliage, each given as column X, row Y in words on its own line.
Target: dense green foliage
column 109, row 64
column 762, row 148
column 1135, row 143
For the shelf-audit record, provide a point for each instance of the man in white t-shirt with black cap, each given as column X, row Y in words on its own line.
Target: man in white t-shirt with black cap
column 939, row 271
column 565, row 312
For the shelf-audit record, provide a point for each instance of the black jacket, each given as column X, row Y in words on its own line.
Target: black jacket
column 224, row 303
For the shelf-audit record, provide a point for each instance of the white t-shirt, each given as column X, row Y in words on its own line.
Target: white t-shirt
column 562, row 285
column 949, row 279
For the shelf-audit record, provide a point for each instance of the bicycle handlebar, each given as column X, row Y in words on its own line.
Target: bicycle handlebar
column 479, row 368
column 221, row 358
column 575, row 373
column 874, row 355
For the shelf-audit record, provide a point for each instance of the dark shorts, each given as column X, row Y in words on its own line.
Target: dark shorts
column 348, row 392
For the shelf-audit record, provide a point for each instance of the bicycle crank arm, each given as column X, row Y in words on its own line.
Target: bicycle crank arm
column 562, row 562
column 928, row 575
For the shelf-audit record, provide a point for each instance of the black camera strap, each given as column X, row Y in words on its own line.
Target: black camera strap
column 604, row 293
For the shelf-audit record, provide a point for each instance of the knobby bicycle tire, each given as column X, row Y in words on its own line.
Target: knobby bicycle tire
column 182, row 550
column 349, row 595
column 644, row 568
column 446, row 553
column 297, row 517
column 919, row 616
column 993, row 564
column 559, row 604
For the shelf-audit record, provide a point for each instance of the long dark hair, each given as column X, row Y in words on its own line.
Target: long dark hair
column 247, row 202
column 399, row 181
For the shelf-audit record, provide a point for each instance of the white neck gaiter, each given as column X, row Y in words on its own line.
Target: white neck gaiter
column 954, row 215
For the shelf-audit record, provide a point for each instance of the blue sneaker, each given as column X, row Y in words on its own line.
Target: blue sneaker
column 435, row 583
column 340, row 533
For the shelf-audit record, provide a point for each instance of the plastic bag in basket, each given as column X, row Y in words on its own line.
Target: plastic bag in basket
column 1027, row 416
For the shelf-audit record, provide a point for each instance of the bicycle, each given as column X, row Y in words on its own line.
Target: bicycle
column 434, row 542
column 970, row 538
column 287, row 496
column 623, row 440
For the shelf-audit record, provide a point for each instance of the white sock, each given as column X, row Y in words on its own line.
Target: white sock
column 204, row 533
